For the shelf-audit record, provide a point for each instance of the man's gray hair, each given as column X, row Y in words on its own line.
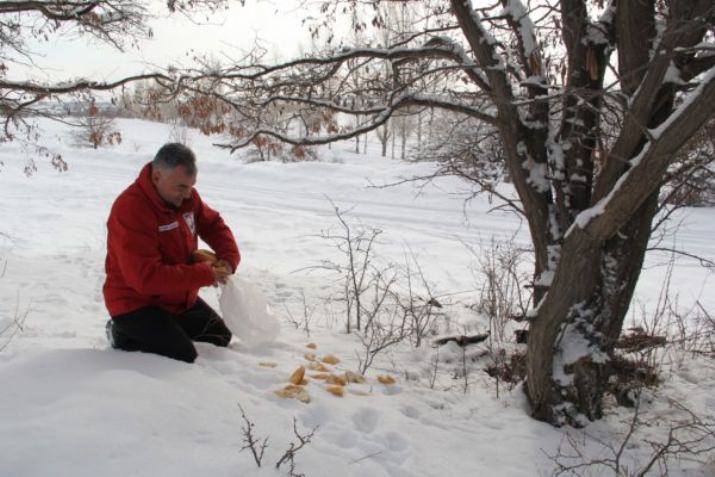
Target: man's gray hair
column 175, row 154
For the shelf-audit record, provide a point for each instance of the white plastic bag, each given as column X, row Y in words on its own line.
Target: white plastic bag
column 246, row 313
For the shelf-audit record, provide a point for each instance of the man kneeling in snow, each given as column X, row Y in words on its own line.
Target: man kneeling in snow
column 152, row 284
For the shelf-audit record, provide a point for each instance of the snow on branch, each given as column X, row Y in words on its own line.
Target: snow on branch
column 526, row 30
column 72, row 86
column 646, row 169
column 484, row 47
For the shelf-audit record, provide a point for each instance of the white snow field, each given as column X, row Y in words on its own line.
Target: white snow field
column 71, row 406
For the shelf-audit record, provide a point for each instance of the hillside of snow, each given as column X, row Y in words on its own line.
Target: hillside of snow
column 71, row 406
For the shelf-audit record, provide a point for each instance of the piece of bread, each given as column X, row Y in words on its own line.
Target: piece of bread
column 337, row 380
column 335, row 390
column 295, row 392
column 330, row 359
column 297, row 376
column 201, row 255
column 386, row 379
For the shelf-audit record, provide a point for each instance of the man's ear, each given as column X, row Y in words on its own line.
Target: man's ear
column 155, row 176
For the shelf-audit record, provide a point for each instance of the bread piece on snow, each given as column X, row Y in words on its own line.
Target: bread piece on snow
column 335, row 379
column 316, row 366
column 330, row 359
column 295, row 392
column 386, row 379
column 297, row 376
column 338, row 391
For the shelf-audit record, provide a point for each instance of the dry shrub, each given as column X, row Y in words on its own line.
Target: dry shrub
column 511, row 371
column 629, row 375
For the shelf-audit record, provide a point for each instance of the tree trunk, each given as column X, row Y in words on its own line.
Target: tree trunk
column 419, row 132
column 404, row 142
column 595, row 282
column 393, row 146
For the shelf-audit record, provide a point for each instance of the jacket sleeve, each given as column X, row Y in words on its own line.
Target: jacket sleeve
column 135, row 242
column 212, row 230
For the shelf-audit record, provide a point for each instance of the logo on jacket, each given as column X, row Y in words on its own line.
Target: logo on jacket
column 189, row 219
column 168, row 227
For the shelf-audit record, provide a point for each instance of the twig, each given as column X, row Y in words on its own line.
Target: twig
column 257, row 448
column 293, row 448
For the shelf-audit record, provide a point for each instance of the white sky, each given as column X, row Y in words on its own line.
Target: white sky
column 278, row 24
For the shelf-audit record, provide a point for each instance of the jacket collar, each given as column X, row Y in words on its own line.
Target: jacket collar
column 147, row 186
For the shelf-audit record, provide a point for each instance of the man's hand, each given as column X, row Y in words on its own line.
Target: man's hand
column 221, row 270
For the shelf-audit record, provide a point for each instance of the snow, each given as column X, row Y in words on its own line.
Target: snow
column 537, row 171
column 517, row 10
column 71, row 406
column 673, row 75
column 487, row 37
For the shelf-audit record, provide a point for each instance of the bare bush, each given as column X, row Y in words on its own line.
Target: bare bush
column 503, row 298
column 466, row 148
column 288, row 456
column 380, row 334
column 501, row 282
column 692, row 176
column 689, row 437
column 258, row 446
column 179, row 132
column 418, row 304
column 384, row 303
column 11, row 326
column 96, row 128
column 253, row 443
column 358, row 275
column 302, row 322
column 664, row 334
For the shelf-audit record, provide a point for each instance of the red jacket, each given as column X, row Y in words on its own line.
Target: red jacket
column 149, row 246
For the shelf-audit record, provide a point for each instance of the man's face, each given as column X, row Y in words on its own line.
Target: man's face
column 173, row 185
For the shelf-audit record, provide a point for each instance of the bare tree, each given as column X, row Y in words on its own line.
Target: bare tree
column 587, row 155
column 119, row 23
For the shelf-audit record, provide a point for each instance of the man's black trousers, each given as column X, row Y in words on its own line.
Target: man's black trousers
column 154, row 330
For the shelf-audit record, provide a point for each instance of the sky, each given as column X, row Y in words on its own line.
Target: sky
column 277, row 24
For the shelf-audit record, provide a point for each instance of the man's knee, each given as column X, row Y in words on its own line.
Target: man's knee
column 187, row 355
column 225, row 338
column 218, row 333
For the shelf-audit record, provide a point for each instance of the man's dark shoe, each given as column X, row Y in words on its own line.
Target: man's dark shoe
column 117, row 339
column 109, row 329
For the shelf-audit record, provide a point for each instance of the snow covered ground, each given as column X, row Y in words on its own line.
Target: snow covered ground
column 71, row 406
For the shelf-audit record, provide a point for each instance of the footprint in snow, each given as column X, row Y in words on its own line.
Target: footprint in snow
column 411, row 412
column 366, row 419
column 396, row 442
column 344, row 439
